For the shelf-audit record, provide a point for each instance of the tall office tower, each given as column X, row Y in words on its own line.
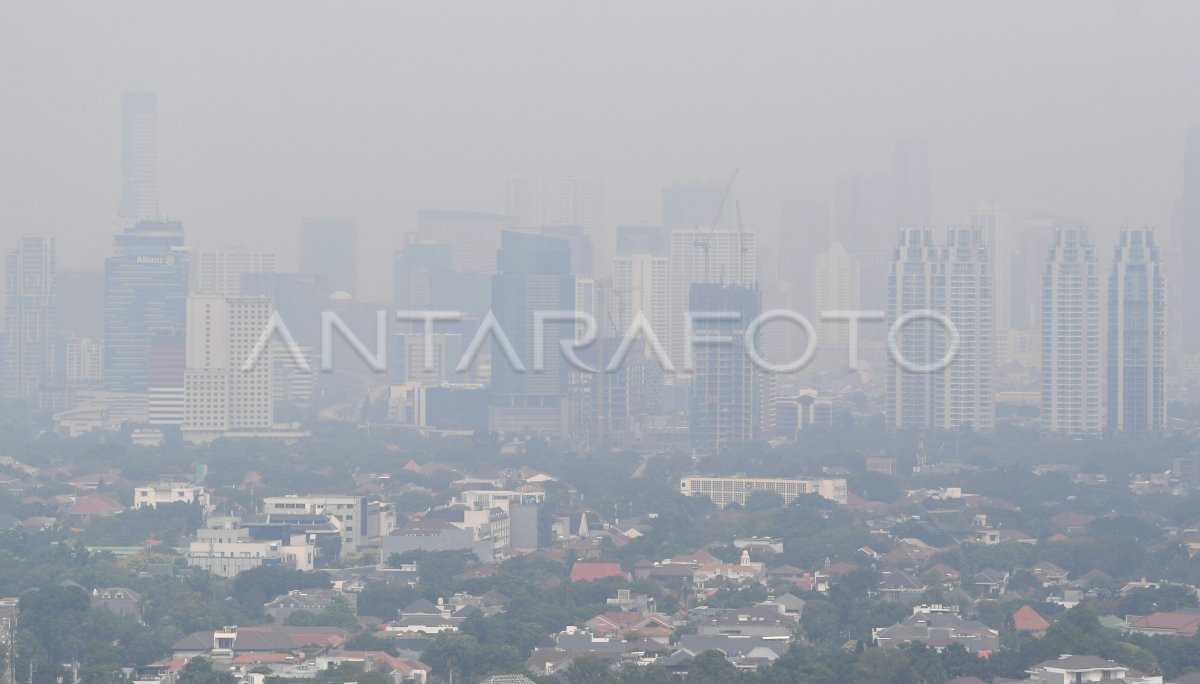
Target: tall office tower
column 473, row 236
column 642, row 284
column 725, row 403
column 1071, row 335
column 31, row 318
column 865, row 212
column 407, row 358
column 701, row 255
column 525, row 200
column 596, row 298
column 696, row 205
column 910, row 177
column 226, row 390
column 835, row 283
column 916, row 283
column 219, row 271
column 1137, row 399
column 997, row 234
column 166, row 361
column 1191, row 238
column 534, row 274
column 329, row 247
column 139, row 157
column 969, row 388
column 145, row 293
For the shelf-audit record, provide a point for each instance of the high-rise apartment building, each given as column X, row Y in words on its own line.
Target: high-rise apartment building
column 1137, row 399
column 145, row 293
column 953, row 282
column 227, row 389
column 970, row 295
column 997, row 235
column 1071, row 340
column 916, row 283
column 139, row 157
column 31, row 318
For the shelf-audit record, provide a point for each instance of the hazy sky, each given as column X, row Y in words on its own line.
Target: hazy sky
column 272, row 111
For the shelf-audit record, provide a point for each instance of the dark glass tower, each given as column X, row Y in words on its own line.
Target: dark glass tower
column 145, row 294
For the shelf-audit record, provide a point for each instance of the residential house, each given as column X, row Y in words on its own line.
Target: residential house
column 311, row 600
column 895, row 585
column 119, row 600
column 1026, row 619
column 1048, row 573
column 1073, row 669
column 761, row 621
column 939, row 629
column 989, row 582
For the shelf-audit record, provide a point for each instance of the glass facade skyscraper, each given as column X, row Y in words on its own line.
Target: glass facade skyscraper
column 145, row 293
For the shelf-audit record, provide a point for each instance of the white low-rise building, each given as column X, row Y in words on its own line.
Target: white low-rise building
column 150, row 496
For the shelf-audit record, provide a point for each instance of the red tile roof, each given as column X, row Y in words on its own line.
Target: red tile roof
column 1026, row 619
column 586, row 572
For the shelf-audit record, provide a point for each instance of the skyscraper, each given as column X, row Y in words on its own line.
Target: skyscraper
column 835, row 287
column 1191, row 237
column 997, row 234
column 701, row 255
column 1136, row 335
column 580, row 201
column 139, row 157
column 954, row 282
column 725, row 401
column 525, row 200
column 31, row 317
column 145, row 293
column 329, row 247
column 533, row 274
column 221, row 395
column 969, row 390
column 219, row 271
column 1071, row 335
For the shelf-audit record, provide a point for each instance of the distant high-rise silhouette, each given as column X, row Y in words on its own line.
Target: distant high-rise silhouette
column 726, row 401
column 31, row 318
column 329, row 247
column 1191, row 238
column 533, row 274
column 139, row 157
column 1137, row 335
column 219, row 271
column 1071, row 339
column 725, row 256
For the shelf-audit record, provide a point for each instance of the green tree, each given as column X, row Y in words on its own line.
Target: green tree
column 201, row 671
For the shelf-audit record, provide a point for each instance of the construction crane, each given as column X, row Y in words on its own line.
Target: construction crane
column 703, row 241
